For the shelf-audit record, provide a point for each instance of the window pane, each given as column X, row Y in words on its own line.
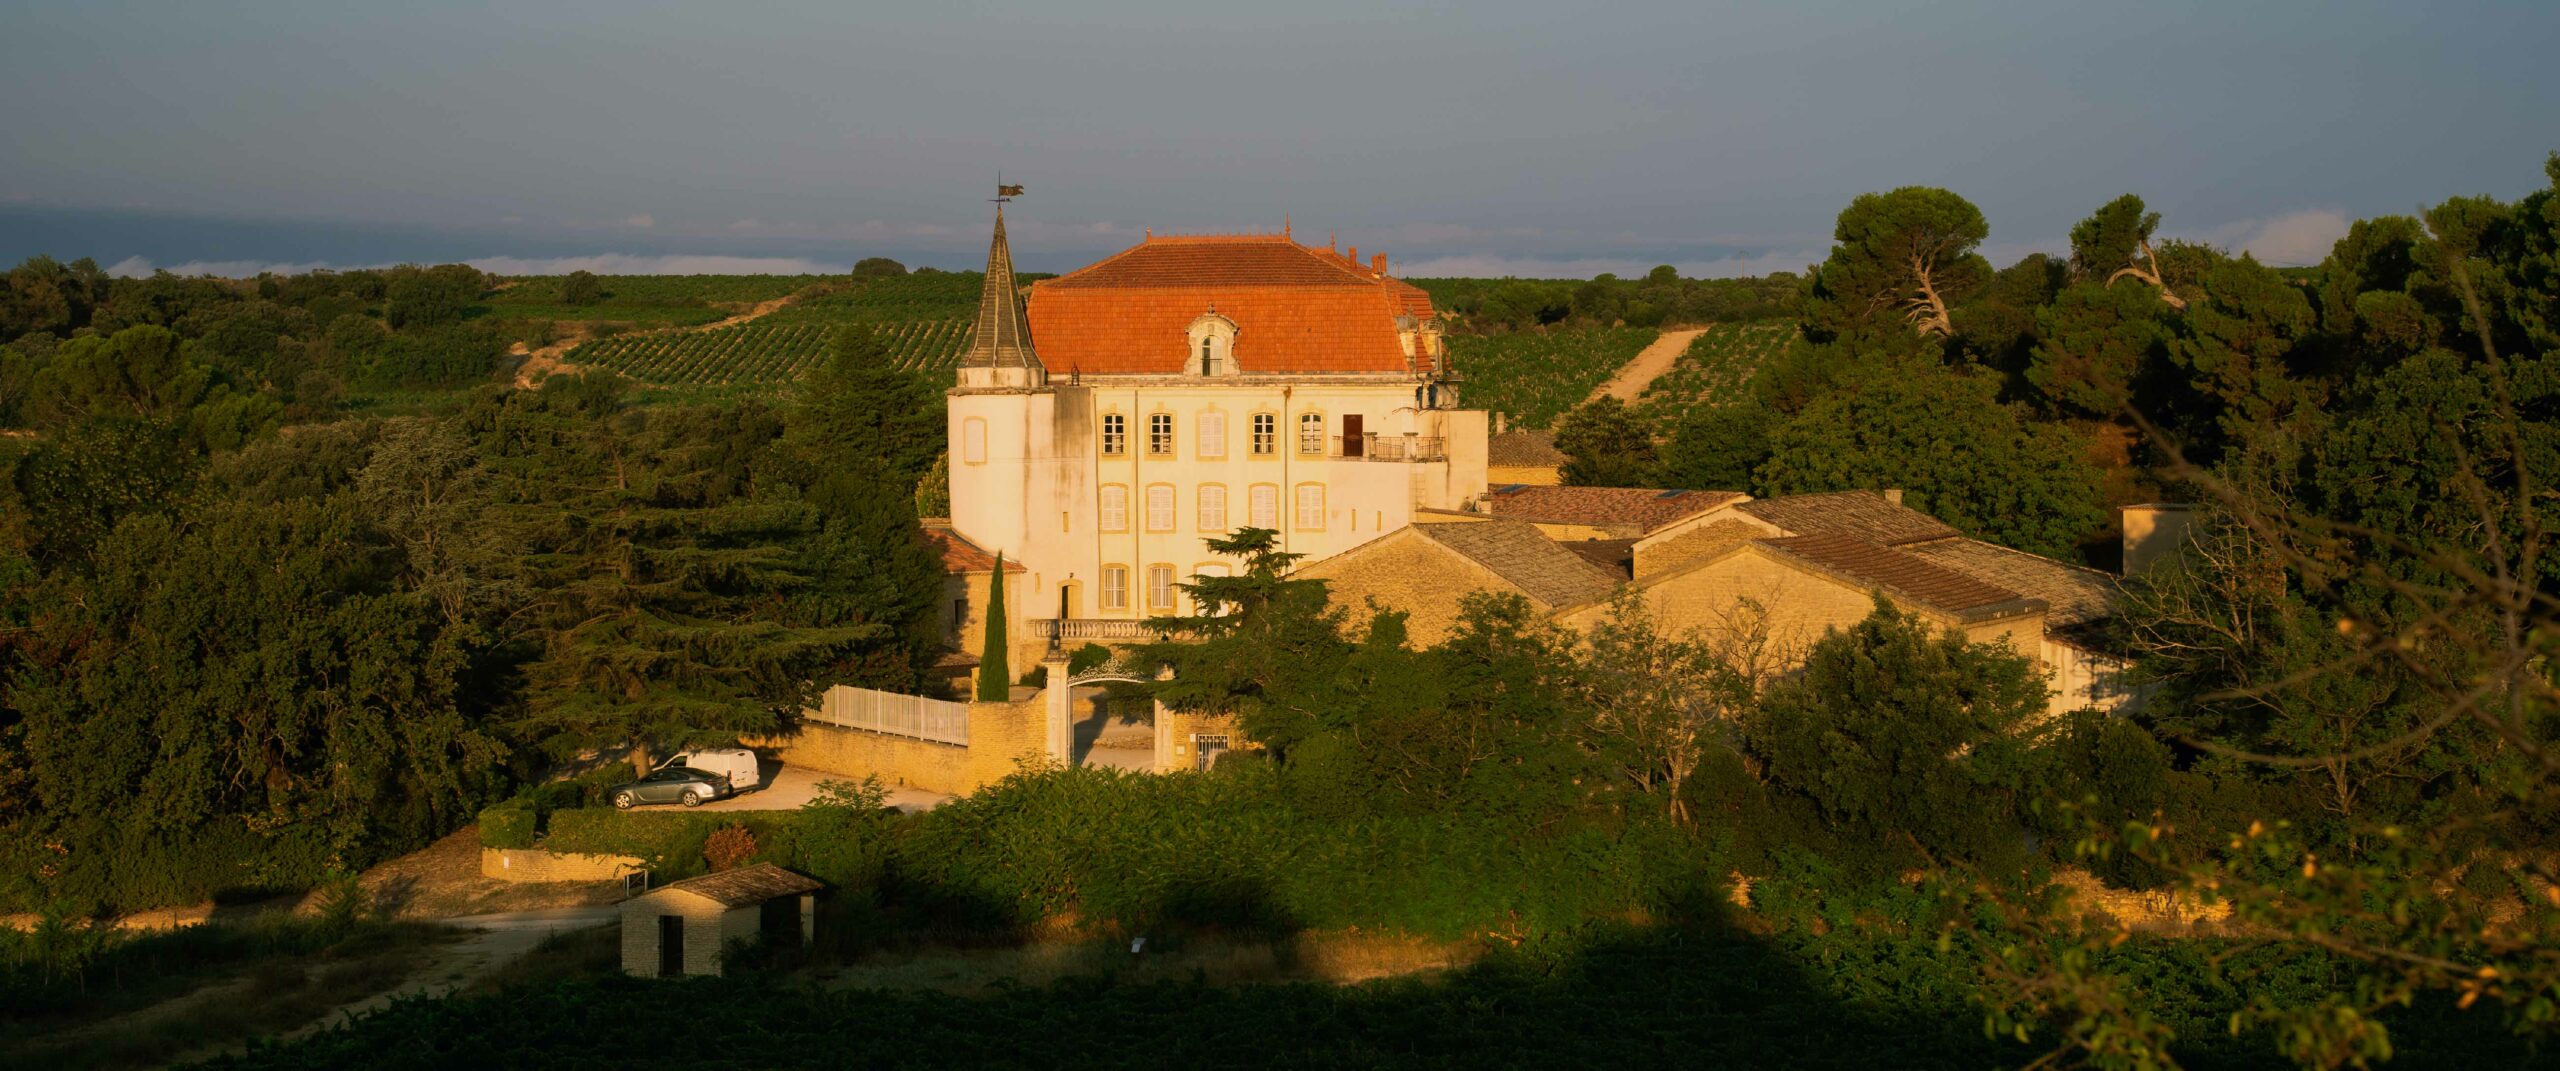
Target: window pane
column 1212, row 431
column 1115, row 433
column 1266, row 433
column 1311, row 433
column 1213, row 508
column 1115, row 509
column 1266, row 506
column 1160, row 508
column 1160, row 433
column 1115, row 587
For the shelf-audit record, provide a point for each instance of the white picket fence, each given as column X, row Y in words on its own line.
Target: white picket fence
column 938, row 720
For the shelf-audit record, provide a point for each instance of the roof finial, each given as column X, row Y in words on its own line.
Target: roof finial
column 1151, row 233
column 1330, row 237
column 1284, row 225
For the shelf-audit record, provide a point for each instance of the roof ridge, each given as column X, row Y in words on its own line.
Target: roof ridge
column 1797, row 547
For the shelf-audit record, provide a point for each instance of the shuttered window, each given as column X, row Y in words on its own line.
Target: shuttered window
column 1115, row 508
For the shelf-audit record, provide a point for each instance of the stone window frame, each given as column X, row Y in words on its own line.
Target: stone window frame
column 1311, row 445
column 1160, row 437
column 1109, row 500
column 1172, row 513
column 973, row 441
column 1115, row 587
column 1265, row 443
column 1161, row 580
column 1201, row 496
column 1209, row 434
column 1209, row 347
column 1114, row 433
column 1298, row 505
column 1254, row 505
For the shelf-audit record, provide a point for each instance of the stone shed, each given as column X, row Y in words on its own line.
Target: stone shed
column 683, row 928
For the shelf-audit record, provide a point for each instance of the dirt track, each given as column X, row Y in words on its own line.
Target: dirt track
column 1631, row 380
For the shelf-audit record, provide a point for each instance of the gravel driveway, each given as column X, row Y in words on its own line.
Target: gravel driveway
column 788, row 787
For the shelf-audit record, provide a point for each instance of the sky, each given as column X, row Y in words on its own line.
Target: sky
column 1486, row 138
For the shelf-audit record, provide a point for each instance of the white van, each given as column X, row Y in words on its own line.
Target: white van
column 736, row 762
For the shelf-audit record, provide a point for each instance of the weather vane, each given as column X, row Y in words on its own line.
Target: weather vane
column 1004, row 193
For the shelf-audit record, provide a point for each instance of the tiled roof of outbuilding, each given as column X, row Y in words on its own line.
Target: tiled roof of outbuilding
column 1618, row 556
column 1523, row 448
column 1903, row 574
column 1295, row 309
column 748, row 885
column 2073, row 595
column 1528, row 559
column 1864, row 514
column 1641, row 506
column 959, row 555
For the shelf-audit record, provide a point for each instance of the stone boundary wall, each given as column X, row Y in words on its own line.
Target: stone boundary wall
column 536, row 865
column 1001, row 736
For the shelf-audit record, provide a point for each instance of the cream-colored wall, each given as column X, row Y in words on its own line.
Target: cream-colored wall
column 1002, row 736
column 536, row 865
column 1407, row 572
column 1036, row 492
column 1532, row 475
column 1174, row 733
column 2083, row 678
column 1801, row 606
column 705, row 931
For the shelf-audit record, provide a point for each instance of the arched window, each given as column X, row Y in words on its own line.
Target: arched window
column 1208, row 359
column 1160, row 507
column 1159, row 587
column 1115, row 587
column 1114, row 503
column 1264, row 506
column 1213, row 507
column 1115, row 434
column 1266, row 434
column 1311, row 434
column 1311, row 507
column 1210, row 429
column 1160, row 434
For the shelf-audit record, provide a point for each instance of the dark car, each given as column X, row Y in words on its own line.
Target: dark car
column 675, row 784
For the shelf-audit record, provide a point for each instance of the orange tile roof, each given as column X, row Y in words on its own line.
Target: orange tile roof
column 1296, row 309
column 1930, row 585
column 959, row 555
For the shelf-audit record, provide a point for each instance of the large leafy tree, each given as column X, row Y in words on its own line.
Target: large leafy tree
column 1953, row 448
column 1904, row 260
column 1605, row 446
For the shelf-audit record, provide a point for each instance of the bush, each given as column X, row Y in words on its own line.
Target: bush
column 509, row 825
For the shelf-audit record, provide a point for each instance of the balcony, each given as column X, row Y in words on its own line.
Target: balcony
column 1389, row 448
column 1090, row 630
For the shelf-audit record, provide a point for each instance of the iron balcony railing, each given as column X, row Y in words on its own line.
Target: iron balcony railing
column 1391, row 448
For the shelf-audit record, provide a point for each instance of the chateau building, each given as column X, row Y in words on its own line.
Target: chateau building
column 1104, row 430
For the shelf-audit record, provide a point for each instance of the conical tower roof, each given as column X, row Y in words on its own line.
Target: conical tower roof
column 1002, row 336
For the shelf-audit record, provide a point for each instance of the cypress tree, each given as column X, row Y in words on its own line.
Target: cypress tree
column 995, row 679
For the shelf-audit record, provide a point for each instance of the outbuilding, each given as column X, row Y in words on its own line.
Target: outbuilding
column 683, row 927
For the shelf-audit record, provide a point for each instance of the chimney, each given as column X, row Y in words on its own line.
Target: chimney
column 1892, row 494
column 1381, row 262
column 1497, row 423
column 2153, row 532
column 1354, row 256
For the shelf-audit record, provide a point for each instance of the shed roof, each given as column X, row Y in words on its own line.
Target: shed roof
column 1903, row 574
column 1521, row 554
column 1865, row 514
column 1643, row 507
column 747, row 885
column 959, row 555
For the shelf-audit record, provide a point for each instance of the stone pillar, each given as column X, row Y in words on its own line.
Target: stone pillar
column 1061, row 711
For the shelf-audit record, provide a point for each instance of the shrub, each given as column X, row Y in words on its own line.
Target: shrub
column 509, row 825
column 728, row 847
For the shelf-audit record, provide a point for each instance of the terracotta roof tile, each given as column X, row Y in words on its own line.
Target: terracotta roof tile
column 748, row 885
column 2073, row 595
column 1864, row 514
column 1903, row 574
column 1296, row 309
column 959, row 555
column 1523, row 448
column 1528, row 559
column 1641, row 507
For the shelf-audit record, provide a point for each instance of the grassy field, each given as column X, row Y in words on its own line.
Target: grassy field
column 1536, row 375
column 1716, row 368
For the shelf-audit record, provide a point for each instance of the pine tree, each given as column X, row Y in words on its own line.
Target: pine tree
column 995, row 678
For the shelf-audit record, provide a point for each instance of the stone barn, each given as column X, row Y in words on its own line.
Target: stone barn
column 684, row 927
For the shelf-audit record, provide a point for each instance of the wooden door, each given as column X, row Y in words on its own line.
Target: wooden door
column 670, row 946
column 1352, row 439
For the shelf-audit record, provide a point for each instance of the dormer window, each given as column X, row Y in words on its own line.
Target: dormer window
column 1212, row 340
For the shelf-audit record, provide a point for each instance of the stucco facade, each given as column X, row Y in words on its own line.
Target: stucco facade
column 1407, row 572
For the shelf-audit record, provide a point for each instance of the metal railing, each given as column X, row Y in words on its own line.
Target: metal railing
column 938, row 720
column 1391, row 448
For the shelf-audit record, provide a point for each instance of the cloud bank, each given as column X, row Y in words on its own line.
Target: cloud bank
column 599, row 263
